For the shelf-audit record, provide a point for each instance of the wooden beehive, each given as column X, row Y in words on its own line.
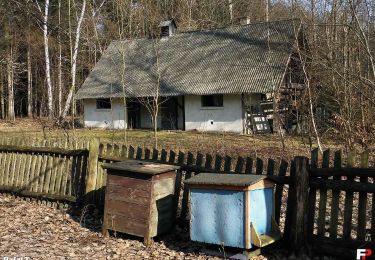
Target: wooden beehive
column 232, row 210
column 139, row 198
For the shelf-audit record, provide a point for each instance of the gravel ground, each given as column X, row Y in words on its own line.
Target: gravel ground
column 40, row 232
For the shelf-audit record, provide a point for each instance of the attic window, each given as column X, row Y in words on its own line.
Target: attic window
column 164, row 31
column 212, row 101
column 135, row 3
column 103, row 103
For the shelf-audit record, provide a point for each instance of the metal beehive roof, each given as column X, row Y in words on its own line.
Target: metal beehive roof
column 241, row 180
column 230, row 60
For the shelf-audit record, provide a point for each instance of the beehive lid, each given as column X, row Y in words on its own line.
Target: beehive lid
column 136, row 166
column 219, row 179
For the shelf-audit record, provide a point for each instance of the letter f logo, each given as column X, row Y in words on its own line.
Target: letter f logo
column 363, row 253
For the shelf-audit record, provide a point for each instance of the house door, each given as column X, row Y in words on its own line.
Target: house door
column 134, row 114
column 169, row 114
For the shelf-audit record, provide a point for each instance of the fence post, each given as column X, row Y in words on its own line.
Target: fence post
column 299, row 202
column 92, row 171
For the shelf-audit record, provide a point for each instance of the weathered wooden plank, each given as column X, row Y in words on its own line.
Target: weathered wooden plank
column 172, row 157
column 127, row 209
column 185, row 198
column 116, row 150
column 227, row 163
column 37, row 170
column 124, row 151
column 239, row 165
column 2, row 163
column 361, row 227
column 54, row 171
column 344, row 185
column 200, row 158
column 131, row 152
column 323, row 197
column 348, row 209
column 109, row 151
column 312, row 195
column 13, row 168
column 26, row 171
column 270, row 167
column 21, row 172
column 208, row 163
column 218, row 162
column 249, row 165
column 50, row 150
column 163, row 156
column 92, row 171
column 178, row 184
column 279, row 191
column 155, row 154
column 48, row 174
column 348, row 171
column 39, row 195
column 181, row 158
column 147, row 154
column 299, row 199
column 259, row 166
column 82, row 176
column 290, row 206
column 337, row 163
column 139, row 153
column 60, row 172
column 101, row 149
column 373, row 217
column 67, row 176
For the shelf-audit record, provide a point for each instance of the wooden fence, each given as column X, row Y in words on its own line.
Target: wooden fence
column 43, row 172
column 334, row 204
column 326, row 203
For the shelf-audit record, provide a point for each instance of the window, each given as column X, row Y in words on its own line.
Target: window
column 135, row 4
column 164, row 31
column 212, row 101
column 103, row 103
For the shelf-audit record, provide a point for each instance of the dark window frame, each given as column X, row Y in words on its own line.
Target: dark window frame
column 212, row 100
column 103, row 104
column 164, row 31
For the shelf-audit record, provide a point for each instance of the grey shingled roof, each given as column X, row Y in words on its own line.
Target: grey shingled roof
column 230, row 60
column 241, row 180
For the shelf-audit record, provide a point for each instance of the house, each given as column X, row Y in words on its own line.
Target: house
column 231, row 79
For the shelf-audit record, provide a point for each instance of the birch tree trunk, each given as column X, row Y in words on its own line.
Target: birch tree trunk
column 60, row 63
column 47, row 60
column 2, row 94
column 74, row 63
column 10, row 72
column 29, row 84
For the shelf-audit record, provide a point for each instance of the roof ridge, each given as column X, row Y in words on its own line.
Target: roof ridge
column 214, row 29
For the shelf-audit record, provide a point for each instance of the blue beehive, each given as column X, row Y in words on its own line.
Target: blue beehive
column 232, row 209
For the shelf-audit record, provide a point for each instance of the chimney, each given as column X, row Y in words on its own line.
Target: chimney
column 167, row 28
column 244, row 20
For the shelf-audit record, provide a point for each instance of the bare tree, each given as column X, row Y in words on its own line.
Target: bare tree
column 46, row 53
column 153, row 103
column 69, row 99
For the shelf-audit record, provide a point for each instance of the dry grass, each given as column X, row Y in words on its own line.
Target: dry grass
column 263, row 146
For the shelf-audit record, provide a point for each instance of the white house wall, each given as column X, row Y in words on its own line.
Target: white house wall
column 227, row 118
column 104, row 118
